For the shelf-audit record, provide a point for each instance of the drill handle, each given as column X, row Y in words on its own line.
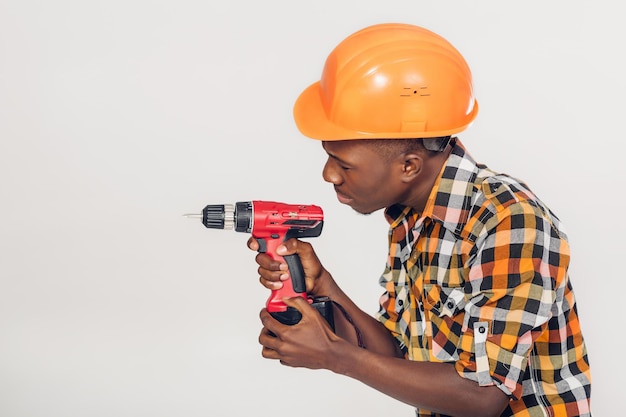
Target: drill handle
column 296, row 286
column 296, row 271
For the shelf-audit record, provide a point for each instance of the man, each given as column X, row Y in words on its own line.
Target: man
column 478, row 316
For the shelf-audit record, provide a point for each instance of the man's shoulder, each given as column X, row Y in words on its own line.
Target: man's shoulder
column 499, row 196
column 503, row 190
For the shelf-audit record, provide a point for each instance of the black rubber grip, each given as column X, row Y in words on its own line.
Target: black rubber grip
column 296, row 271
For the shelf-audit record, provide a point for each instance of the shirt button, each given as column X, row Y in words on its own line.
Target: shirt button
column 400, row 302
column 450, row 305
column 481, row 329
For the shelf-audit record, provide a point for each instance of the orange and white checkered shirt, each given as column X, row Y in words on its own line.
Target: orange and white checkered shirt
column 480, row 279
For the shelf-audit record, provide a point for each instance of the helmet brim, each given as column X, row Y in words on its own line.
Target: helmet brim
column 313, row 122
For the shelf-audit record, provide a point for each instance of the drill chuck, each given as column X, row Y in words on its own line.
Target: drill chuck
column 228, row 216
column 219, row 216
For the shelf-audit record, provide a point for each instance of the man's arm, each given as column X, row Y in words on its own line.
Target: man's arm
column 428, row 385
column 312, row 344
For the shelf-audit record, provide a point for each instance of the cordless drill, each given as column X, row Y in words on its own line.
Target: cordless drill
column 272, row 223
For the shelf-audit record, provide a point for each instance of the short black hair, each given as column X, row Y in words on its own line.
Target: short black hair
column 390, row 148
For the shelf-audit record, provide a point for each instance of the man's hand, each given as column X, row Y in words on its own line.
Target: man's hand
column 306, row 344
column 273, row 272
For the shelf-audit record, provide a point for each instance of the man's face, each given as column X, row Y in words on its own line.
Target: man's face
column 363, row 179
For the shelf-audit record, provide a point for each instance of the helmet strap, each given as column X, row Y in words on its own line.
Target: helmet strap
column 438, row 144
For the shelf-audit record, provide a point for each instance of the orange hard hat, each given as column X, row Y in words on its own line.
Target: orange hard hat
column 389, row 80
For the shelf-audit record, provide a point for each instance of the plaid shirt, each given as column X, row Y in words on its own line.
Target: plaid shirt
column 479, row 279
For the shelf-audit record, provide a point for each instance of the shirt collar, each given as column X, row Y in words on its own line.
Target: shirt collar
column 450, row 199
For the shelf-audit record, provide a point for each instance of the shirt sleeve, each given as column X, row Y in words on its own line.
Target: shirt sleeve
column 519, row 262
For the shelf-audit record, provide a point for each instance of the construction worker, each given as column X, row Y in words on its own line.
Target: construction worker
column 478, row 315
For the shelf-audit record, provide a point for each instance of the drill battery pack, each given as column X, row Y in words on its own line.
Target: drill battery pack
column 322, row 304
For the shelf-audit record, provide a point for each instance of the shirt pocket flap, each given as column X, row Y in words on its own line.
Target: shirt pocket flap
column 444, row 301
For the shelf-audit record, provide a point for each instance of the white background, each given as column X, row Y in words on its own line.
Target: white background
column 116, row 117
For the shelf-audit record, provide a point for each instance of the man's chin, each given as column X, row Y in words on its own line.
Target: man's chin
column 350, row 203
column 364, row 212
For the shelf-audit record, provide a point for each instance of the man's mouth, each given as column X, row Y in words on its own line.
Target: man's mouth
column 343, row 199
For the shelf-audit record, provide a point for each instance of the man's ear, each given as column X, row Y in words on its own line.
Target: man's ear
column 412, row 166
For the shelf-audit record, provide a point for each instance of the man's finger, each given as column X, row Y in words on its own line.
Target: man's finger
column 253, row 244
column 299, row 303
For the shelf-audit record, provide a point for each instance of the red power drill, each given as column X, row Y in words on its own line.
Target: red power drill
column 272, row 223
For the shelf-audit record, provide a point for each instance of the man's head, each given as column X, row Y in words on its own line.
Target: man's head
column 380, row 88
column 372, row 174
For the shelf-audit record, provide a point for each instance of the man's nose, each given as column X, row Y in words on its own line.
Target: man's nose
column 330, row 174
